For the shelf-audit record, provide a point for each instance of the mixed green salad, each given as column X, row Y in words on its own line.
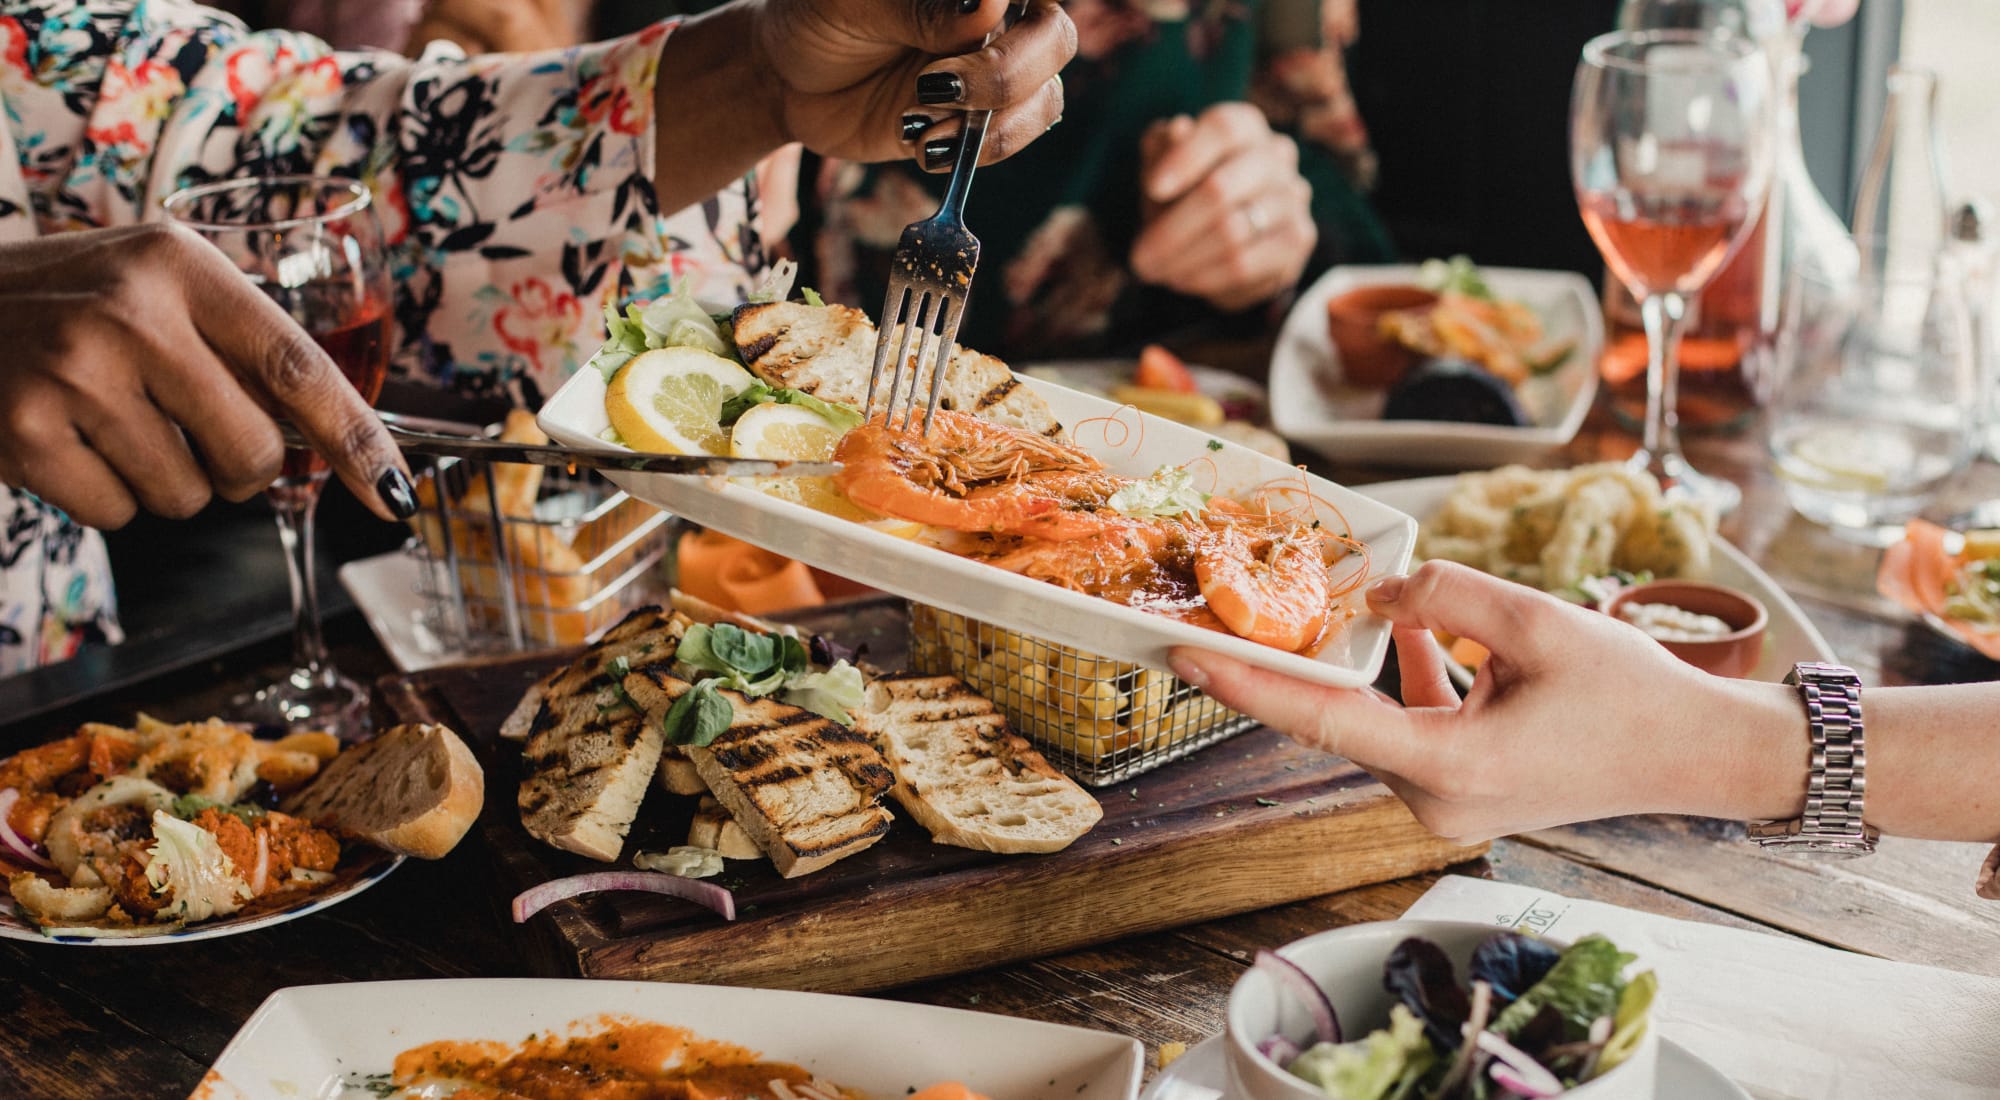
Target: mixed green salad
column 1529, row 1022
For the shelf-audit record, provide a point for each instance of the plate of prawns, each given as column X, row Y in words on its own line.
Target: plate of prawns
column 1039, row 508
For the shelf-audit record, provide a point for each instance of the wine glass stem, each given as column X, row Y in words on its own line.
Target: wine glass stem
column 1663, row 314
column 295, row 530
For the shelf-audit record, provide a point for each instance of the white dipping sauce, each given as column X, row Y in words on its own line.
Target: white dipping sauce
column 1668, row 623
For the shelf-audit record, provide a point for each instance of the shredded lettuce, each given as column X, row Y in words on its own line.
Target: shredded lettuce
column 776, row 285
column 625, row 338
column 1388, row 1062
column 1169, row 492
column 1586, row 983
column 834, row 694
column 844, row 417
column 186, row 859
column 1457, row 275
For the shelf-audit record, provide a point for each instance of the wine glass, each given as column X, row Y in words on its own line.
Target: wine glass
column 312, row 243
column 1670, row 152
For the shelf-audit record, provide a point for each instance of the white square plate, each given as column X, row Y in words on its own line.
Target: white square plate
column 1310, row 405
column 1789, row 637
column 310, row 1041
column 1129, row 442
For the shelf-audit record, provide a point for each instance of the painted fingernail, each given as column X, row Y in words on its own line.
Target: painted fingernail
column 915, row 125
column 1387, row 590
column 938, row 154
column 396, row 491
column 938, row 88
column 1188, row 670
column 967, row 7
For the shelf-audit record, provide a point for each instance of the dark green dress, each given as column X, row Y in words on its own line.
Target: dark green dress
column 1056, row 221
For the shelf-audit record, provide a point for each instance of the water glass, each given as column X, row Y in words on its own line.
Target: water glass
column 1878, row 408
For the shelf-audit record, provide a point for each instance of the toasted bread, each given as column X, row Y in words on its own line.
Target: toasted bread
column 829, row 352
column 806, row 789
column 647, row 633
column 713, row 828
column 414, row 790
column 965, row 775
column 678, row 774
column 588, row 770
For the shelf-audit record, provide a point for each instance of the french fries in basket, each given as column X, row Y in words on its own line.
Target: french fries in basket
column 1087, row 709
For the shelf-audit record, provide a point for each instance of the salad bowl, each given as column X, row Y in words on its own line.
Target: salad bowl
column 1347, row 964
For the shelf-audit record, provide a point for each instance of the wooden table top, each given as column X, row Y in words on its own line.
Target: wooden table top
column 94, row 1022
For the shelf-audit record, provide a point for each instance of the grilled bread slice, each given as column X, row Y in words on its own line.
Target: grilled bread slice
column 806, row 789
column 647, row 634
column 829, row 351
column 678, row 775
column 965, row 775
column 713, row 828
column 413, row 790
column 590, row 756
column 588, row 765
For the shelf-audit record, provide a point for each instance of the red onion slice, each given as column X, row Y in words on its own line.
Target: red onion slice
column 537, row 898
column 1285, row 972
column 1279, row 1050
column 17, row 845
column 1514, row 1070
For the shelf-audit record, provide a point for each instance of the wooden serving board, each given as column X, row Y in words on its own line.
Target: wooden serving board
column 1253, row 822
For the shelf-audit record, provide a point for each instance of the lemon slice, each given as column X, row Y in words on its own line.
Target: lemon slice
column 795, row 432
column 669, row 400
column 1842, row 461
column 784, row 431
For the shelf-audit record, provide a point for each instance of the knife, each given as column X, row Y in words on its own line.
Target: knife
column 411, row 439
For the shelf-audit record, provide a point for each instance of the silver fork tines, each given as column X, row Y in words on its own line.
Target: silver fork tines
column 930, row 278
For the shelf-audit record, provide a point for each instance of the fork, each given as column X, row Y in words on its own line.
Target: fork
column 930, row 278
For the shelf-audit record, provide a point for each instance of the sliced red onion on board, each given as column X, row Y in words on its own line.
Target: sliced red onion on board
column 16, row 844
column 537, row 898
column 1515, row 1071
column 1326, row 1023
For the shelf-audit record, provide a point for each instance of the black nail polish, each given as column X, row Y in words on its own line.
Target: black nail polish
column 938, row 154
column 938, row 88
column 914, row 126
column 967, row 7
column 396, row 491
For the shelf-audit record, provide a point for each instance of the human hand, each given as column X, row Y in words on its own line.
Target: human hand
column 874, row 80
column 499, row 26
column 1574, row 716
column 145, row 372
column 1226, row 215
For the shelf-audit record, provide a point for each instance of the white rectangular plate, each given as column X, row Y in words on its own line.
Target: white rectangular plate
column 1789, row 637
column 1136, row 445
column 1311, row 406
column 306, row 1040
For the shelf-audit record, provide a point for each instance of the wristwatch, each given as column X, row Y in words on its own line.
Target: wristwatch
column 1831, row 825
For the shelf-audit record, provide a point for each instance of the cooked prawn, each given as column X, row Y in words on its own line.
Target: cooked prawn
column 1272, row 589
column 972, row 475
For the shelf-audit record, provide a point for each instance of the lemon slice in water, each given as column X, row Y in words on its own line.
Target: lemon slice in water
column 669, row 400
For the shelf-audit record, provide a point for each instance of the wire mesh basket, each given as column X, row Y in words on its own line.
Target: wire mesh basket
column 1100, row 720
column 515, row 557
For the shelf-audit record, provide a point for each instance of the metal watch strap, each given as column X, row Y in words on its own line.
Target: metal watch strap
column 1837, row 783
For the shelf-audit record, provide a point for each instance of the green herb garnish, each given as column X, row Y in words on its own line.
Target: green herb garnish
column 699, row 716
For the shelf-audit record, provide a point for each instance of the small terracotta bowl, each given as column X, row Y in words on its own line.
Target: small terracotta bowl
column 1734, row 653
column 1367, row 358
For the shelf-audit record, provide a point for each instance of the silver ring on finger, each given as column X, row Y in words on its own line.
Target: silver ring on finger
column 1256, row 219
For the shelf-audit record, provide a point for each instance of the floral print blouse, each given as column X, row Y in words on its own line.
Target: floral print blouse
column 515, row 191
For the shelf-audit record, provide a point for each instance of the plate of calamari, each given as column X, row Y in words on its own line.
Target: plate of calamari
column 160, row 831
column 1584, row 534
column 1023, row 503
